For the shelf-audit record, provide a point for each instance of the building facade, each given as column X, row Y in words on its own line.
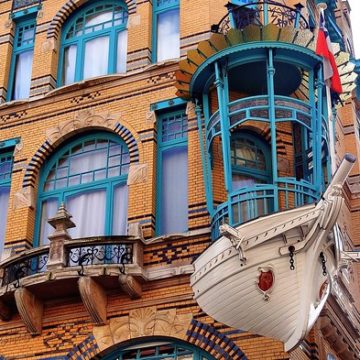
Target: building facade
column 117, row 168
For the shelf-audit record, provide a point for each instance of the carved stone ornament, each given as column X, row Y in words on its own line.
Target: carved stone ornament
column 82, row 119
column 134, row 20
column 25, row 198
column 30, row 309
column 265, row 281
column 138, row 174
column 142, row 322
column 150, row 117
column 190, row 109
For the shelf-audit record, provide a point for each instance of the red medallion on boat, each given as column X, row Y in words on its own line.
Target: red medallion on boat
column 266, row 280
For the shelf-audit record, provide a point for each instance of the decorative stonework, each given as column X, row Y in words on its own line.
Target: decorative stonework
column 25, row 198
column 150, row 117
column 138, row 174
column 82, row 121
column 69, row 7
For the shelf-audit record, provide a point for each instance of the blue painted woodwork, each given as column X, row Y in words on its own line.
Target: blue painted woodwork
column 61, row 179
column 23, row 43
column 78, row 31
column 160, row 7
column 159, row 349
column 172, row 136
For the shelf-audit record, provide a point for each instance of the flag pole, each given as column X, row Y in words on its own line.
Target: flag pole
column 331, row 124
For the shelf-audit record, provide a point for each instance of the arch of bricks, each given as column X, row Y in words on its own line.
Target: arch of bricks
column 69, row 7
column 201, row 335
column 44, row 151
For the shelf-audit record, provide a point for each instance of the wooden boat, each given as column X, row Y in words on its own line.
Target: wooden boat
column 272, row 276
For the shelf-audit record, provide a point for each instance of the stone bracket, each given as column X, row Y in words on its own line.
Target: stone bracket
column 30, row 309
column 94, row 299
column 131, row 286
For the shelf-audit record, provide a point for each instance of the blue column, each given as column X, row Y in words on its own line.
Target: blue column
column 205, row 163
column 317, row 145
column 312, row 101
column 224, row 121
column 271, row 100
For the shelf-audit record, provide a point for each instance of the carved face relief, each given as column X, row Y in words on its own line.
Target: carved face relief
column 142, row 322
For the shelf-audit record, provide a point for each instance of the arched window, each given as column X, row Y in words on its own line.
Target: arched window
column 159, row 350
column 89, row 175
column 94, row 42
column 250, row 160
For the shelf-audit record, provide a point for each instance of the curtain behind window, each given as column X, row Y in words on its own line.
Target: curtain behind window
column 168, row 37
column 23, row 75
column 174, row 199
column 96, row 61
column 4, row 200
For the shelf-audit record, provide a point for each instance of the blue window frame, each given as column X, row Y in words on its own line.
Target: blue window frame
column 250, row 160
column 89, row 175
column 166, row 30
column 159, row 350
column 22, row 58
column 96, row 28
column 6, row 164
column 172, row 180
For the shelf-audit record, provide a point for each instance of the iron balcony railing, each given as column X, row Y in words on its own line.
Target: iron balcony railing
column 78, row 253
column 261, row 14
column 248, row 203
column 18, row 4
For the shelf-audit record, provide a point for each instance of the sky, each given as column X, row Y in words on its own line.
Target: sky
column 355, row 16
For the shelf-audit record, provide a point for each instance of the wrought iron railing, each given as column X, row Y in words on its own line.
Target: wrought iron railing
column 259, row 200
column 18, row 4
column 261, row 14
column 79, row 252
column 99, row 253
column 24, row 266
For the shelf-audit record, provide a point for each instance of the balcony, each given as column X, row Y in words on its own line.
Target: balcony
column 261, row 14
column 19, row 4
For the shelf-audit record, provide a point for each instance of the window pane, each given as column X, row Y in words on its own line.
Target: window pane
column 4, row 201
column 174, row 195
column 121, row 52
column 119, row 226
column 88, row 211
column 168, row 38
column 96, row 57
column 22, row 75
column 48, row 210
column 88, row 161
column 69, row 64
column 99, row 18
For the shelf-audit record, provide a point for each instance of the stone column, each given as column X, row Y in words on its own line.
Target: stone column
column 60, row 222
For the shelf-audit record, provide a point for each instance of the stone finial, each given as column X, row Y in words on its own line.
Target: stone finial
column 60, row 222
column 62, row 219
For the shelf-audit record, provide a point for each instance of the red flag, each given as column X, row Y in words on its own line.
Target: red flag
column 323, row 48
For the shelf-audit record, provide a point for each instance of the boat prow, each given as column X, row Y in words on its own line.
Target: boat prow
column 272, row 276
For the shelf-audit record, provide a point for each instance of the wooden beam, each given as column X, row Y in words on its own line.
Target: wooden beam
column 30, row 309
column 131, row 286
column 94, row 299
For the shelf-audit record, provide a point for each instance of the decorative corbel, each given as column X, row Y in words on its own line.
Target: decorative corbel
column 131, row 286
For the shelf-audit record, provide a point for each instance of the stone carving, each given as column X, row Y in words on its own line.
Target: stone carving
column 142, row 322
column 137, row 174
column 83, row 119
column 190, row 109
column 164, row 322
column 48, row 45
column 120, row 329
column 150, row 117
column 134, row 20
column 30, row 309
column 131, row 286
column 18, row 147
column 103, row 336
column 25, row 198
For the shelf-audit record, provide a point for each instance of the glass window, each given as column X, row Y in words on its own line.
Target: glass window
column 6, row 162
column 21, row 64
column 250, row 161
column 99, row 28
column 172, row 212
column 166, row 37
column 89, row 175
column 159, row 350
